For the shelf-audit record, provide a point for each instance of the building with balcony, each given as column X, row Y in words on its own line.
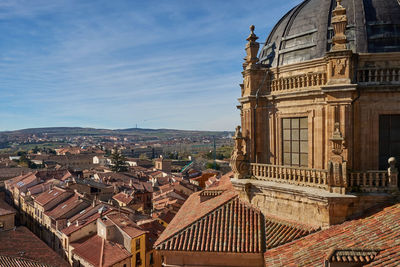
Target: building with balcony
column 320, row 114
column 316, row 149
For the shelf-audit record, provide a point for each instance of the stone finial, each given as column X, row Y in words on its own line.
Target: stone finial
column 339, row 22
column 239, row 162
column 252, row 47
column 393, row 172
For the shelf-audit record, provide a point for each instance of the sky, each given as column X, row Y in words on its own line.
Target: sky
column 121, row 64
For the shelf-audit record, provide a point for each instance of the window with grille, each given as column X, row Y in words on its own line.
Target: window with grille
column 295, row 141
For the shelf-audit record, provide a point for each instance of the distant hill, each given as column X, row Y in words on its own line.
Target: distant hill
column 73, row 131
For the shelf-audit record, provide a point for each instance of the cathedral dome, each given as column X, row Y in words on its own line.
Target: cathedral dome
column 305, row 32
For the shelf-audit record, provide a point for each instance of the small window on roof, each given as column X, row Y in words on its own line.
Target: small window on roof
column 64, row 206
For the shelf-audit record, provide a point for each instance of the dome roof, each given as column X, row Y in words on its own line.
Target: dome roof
column 305, row 32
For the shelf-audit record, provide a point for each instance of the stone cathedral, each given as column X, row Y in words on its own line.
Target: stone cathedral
column 315, row 176
column 320, row 112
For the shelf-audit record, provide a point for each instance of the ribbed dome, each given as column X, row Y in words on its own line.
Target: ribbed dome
column 305, row 32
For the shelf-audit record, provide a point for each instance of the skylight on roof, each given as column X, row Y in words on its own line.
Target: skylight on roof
column 56, row 193
column 64, row 206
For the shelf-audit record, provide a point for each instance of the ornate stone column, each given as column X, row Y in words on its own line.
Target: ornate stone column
column 337, row 166
column 239, row 162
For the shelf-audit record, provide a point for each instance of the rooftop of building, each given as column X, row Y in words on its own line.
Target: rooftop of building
column 21, row 243
column 123, row 198
column 377, row 236
column 46, row 197
column 6, row 209
column 100, row 252
column 124, row 223
column 62, row 209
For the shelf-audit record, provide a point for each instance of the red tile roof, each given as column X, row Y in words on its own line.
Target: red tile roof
column 64, row 207
column 126, row 224
column 5, row 209
column 84, row 219
column 233, row 226
column 166, row 216
column 50, row 195
column 192, row 210
column 96, row 248
column 380, row 231
column 23, row 243
column 123, row 197
column 279, row 232
column 7, row 261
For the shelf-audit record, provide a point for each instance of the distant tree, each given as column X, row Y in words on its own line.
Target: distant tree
column 35, row 150
column 118, row 162
column 143, row 156
column 210, row 165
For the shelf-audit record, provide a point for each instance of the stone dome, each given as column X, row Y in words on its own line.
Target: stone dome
column 305, row 32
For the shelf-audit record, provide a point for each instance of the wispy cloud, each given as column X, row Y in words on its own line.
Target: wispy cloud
column 112, row 64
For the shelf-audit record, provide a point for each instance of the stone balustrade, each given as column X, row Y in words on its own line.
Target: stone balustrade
column 290, row 175
column 299, row 81
column 362, row 181
column 371, row 181
column 377, row 76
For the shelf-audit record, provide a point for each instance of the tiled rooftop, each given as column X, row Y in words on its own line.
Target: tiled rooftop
column 279, row 232
column 194, row 209
column 126, row 224
column 234, row 226
column 5, row 209
column 23, row 243
column 64, row 207
column 123, row 197
column 6, row 261
column 84, row 218
column 378, row 232
column 50, row 195
column 96, row 249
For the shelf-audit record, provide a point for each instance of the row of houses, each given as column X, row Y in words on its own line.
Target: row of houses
column 70, row 220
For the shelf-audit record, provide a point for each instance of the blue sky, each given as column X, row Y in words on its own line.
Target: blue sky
column 118, row 64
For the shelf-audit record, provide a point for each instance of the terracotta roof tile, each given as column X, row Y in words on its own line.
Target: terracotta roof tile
column 222, row 223
column 22, row 242
column 50, row 195
column 7, row 261
column 126, row 224
column 378, row 232
column 279, row 232
column 123, row 197
column 5, row 208
column 96, row 248
column 192, row 210
column 63, row 208
column 84, row 219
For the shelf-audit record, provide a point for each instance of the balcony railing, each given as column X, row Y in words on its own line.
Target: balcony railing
column 290, row 175
column 370, row 181
column 379, row 76
column 299, row 81
column 357, row 181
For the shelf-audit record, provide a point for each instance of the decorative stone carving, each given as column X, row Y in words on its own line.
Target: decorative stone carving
column 239, row 162
column 251, row 50
column 337, row 166
column 393, row 172
column 339, row 23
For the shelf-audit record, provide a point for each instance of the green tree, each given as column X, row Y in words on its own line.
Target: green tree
column 118, row 162
column 210, row 165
